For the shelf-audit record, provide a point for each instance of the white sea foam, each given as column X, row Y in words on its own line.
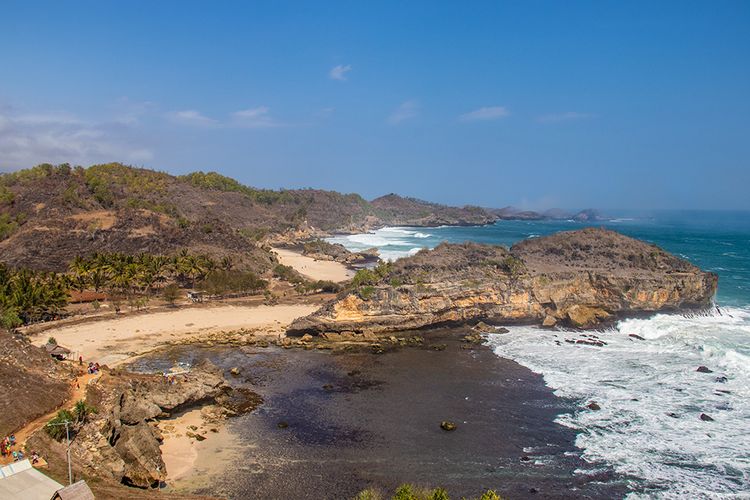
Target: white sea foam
column 651, row 398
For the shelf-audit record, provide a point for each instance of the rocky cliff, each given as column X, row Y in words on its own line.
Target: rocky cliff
column 580, row 278
column 121, row 443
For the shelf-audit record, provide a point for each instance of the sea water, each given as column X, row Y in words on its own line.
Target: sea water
column 651, row 398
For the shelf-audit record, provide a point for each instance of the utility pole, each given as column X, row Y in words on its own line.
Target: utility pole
column 67, row 439
column 67, row 442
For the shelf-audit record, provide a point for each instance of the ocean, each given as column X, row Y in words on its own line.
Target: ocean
column 674, row 431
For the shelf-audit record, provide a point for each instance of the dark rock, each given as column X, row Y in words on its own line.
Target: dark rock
column 447, row 426
column 502, row 330
column 282, row 425
column 533, row 490
column 673, row 415
column 633, row 335
column 328, row 387
column 704, row 369
column 525, row 458
column 722, row 379
column 706, row 418
column 593, row 406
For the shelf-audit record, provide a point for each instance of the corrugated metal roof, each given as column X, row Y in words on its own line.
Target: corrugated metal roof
column 21, row 480
column 76, row 491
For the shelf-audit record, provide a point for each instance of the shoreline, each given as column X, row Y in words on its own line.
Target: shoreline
column 353, row 419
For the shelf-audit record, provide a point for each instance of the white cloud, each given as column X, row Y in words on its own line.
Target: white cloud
column 407, row 110
column 485, row 113
column 27, row 139
column 562, row 117
column 192, row 117
column 339, row 72
column 255, row 118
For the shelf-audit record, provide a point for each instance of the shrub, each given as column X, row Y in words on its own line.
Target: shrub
column 366, row 292
column 52, row 341
column 405, row 492
column 56, row 428
column 288, row 273
column 171, row 293
column 490, row 495
column 364, row 277
column 368, row 494
column 82, row 410
column 9, row 319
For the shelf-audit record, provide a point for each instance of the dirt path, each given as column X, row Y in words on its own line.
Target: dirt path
column 78, row 392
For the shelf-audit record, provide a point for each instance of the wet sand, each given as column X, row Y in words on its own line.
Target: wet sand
column 359, row 420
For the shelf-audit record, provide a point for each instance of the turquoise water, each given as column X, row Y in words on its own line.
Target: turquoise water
column 651, row 395
column 715, row 241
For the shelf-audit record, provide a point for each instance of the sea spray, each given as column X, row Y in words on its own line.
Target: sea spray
column 650, row 396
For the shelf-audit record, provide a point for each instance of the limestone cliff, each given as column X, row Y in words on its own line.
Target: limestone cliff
column 580, row 278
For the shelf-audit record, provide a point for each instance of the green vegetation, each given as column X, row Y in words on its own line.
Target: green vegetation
column 8, row 226
column 411, row 492
column 366, row 291
column 171, row 293
column 27, row 296
column 220, row 282
column 218, row 182
column 56, row 427
column 288, row 274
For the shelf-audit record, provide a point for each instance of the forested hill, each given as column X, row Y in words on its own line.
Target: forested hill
column 50, row 214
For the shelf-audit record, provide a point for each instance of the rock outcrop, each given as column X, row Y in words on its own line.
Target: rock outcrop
column 121, row 444
column 582, row 278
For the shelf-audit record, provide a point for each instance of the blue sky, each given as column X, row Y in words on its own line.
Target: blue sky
column 535, row 104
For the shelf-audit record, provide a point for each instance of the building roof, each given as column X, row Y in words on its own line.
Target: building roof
column 76, row 491
column 21, row 480
column 56, row 349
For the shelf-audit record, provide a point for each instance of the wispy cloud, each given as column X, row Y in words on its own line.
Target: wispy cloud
column 564, row 117
column 485, row 113
column 192, row 117
column 405, row 111
column 339, row 72
column 27, row 139
column 255, row 118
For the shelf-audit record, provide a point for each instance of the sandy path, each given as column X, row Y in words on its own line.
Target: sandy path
column 324, row 270
column 116, row 340
column 78, row 392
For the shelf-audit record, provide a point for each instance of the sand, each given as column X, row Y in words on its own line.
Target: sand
column 191, row 462
column 113, row 341
column 323, row 270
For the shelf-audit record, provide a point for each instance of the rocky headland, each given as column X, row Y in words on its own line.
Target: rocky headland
column 585, row 279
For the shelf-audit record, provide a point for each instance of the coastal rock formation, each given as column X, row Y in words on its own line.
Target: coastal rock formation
column 121, row 444
column 582, row 278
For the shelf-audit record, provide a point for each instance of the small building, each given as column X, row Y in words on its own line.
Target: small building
column 76, row 491
column 21, row 480
column 57, row 351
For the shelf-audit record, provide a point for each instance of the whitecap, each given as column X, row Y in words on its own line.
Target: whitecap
column 651, row 397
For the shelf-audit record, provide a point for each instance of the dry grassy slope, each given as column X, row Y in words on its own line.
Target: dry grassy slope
column 50, row 214
column 31, row 383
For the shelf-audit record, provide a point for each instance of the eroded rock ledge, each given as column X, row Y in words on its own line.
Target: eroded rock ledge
column 120, row 444
column 583, row 278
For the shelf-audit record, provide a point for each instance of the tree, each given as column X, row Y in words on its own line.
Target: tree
column 171, row 293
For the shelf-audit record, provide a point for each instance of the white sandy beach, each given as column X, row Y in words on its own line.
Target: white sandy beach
column 115, row 340
column 324, row 270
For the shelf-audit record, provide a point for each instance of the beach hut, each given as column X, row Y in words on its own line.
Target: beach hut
column 76, row 491
column 57, row 351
